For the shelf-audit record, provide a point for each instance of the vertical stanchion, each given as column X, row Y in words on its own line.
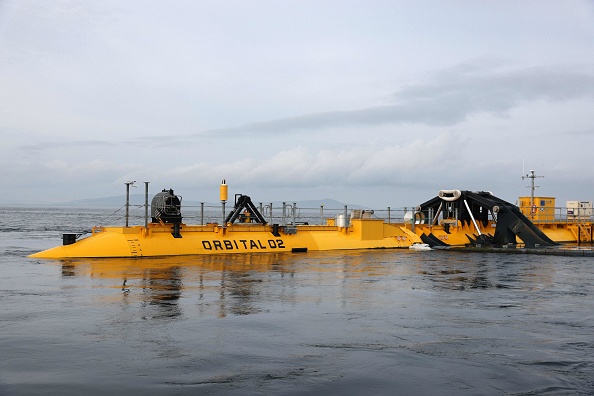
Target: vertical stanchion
column 146, row 192
column 128, row 199
column 284, row 222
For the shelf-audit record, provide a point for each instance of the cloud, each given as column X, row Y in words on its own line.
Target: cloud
column 355, row 165
column 582, row 132
column 65, row 144
column 446, row 99
column 475, row 89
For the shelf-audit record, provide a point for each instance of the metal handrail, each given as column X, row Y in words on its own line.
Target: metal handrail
column 210, row 213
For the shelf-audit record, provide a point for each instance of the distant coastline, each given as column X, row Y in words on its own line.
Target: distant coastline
column 138, row 200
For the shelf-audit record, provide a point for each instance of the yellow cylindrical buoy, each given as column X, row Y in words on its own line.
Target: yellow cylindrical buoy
column 224, row 191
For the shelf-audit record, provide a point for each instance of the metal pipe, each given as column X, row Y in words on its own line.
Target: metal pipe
column 294, row 210
column 579, row 226
column 127, row 202
column 284, row 214
column 404, row 217
column 146, row 192
column 388, row 215
column 128, row 199
column 201, row 213
column 472, row 217
column 437, row 214
column 346, row 220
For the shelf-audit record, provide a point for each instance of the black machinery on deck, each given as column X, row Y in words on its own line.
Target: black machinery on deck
column 166, row 208
column 245, row 211
column 467, row 206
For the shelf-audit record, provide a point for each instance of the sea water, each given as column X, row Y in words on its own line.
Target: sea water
column 384, row 322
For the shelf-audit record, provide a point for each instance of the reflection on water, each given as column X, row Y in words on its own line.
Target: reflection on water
column 160, row 282
column 241, row 283
column 161, row 289
column 471, row 271
column 246, row 284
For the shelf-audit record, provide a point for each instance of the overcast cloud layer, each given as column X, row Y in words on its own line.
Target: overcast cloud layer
column 378, row 103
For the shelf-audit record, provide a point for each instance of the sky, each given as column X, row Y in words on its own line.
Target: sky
column 375, row 103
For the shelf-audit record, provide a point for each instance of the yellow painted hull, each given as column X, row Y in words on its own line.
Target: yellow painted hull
column 157, row 240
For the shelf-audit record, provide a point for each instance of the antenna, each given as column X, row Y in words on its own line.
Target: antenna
column 531, row 176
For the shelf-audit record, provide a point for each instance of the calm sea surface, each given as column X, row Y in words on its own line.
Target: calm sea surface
column 366, row 322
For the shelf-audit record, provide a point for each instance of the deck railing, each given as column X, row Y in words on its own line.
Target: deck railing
column 557, row 215
column 294, row 214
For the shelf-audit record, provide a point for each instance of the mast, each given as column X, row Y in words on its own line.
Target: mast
column 531, row 176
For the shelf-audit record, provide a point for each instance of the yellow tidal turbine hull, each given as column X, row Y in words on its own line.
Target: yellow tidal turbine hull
column 158, row 240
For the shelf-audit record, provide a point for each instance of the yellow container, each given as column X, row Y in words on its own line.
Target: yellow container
column 542, row 210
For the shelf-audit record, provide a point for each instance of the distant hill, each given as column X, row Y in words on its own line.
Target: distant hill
column 138, row 199
column 115, row 201
column 119, row 201
column 328, row 204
